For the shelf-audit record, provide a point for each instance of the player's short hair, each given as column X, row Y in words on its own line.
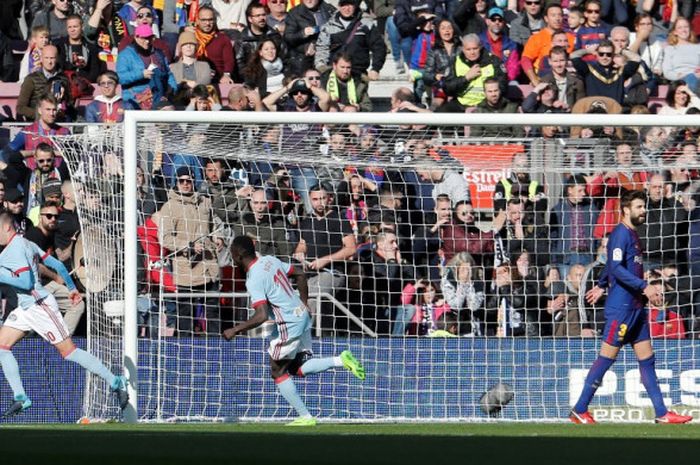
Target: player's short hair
column 244, row 245
column 628, row 197
column 6, row 218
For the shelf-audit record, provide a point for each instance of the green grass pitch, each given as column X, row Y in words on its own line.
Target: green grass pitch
column 359, row 444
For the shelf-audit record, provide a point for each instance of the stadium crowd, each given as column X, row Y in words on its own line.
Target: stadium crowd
column 405, row 249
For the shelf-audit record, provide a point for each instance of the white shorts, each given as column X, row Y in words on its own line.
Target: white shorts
column 45, row 319
column 282, row 348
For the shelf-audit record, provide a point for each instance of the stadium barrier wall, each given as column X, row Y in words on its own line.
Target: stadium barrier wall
column 412, row 378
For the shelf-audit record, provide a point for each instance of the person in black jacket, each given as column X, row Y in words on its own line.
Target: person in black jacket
column 77, row 54
column 303, row 25
column 349, row 32
column 409, row 23
column 248, row 40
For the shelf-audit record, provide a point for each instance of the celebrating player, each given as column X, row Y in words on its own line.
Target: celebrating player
column 37, row 310
column 626, row 320
column 273, row 297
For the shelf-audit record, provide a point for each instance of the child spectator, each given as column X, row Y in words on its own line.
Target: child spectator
column 428, row 306
column 32, row 57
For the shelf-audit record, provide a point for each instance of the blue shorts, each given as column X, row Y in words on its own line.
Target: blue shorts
column 626, row 327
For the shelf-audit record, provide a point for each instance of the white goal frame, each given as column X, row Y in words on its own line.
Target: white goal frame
column 133, row 118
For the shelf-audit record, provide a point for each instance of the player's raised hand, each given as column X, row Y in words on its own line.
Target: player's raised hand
column 594, row 295
column 75, row 297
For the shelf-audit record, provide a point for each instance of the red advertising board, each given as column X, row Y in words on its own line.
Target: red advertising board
column 484, row 165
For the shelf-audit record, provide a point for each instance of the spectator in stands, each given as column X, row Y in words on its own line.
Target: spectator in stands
column 43, row 235
column 252, row 36
column 241, row 98
column 31, row 61
column 54, row 18
column 134, row 13
column 464, row 291
column 539, row 44
column 184, row 229
column 202, row 99
column 47, row 80
column 384, row 14
column 347, row 31
column 268, row 230
column 517, row 302
column 574, row 20
column 14, row 205
column 470, row 16
column 559, row 39
column 601, row 77
column 593, row 29
column 108, row 107
column 143, row 72
column 496, row 41
column 347, row 91
column 303, row 26
column 409, row 21
column 495, row 102
column 643, row 82
column 305, row 96
column 46, row 169
column 564, row 306
column 664, row 234
column 422, row 305
column 679, row 98
column 278, row 15
column 188, row 69
column 569, row 86
column 78, row 55
column 653, row 146
column 437, row 63
column 470, row 68
column 571, row 226
column 213, row 46
column 544, row 98
column 230, row 15
column 463, row 235
column 519, row 184
column 145, row 15
column 648, row 47
column 682, row 55
column 422, row 43
column 265, row 69
column 447, row 182
column 427, row 237
column 39, row 131
column 326, row 243
column 384, row 273
column 516, row 230
column 528, row 22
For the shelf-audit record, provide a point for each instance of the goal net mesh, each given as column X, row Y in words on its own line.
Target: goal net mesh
column 409, row 236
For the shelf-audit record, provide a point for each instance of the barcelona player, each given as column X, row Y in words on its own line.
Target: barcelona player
column 273, row 297
column 626, row 320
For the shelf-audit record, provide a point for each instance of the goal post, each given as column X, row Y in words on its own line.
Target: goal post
column 545, row 371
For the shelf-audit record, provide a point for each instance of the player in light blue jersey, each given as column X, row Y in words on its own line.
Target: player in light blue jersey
column 37, row 310
column 273, row 297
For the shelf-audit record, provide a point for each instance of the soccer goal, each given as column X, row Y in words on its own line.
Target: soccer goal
column 450, row 253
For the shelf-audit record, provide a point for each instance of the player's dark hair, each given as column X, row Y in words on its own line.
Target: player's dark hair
column 244, row 245
column 630, row 196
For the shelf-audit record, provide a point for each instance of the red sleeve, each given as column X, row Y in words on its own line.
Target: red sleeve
column 291, row 270
column 255, row 305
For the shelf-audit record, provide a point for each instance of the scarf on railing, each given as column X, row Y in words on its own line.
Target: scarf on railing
column 333, row 88
column 203, row 40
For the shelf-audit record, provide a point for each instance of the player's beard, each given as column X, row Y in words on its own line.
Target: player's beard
column 638, row 220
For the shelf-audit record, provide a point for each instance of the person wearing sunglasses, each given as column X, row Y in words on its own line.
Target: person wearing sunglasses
column 46, row 170
column 593, row 29
column 496, row 41
column 145, row 15
column 136, row 13
column 528, row 22
column 601, row 77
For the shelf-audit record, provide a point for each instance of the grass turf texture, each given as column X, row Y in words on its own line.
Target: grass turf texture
column 403, row 444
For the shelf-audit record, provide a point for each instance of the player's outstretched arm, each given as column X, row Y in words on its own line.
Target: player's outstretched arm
column 302, row 285
column 18, row 280
column 60, row 268
column 258, row 318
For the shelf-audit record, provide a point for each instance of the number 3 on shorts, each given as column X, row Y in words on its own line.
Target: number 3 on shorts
column 621, row 332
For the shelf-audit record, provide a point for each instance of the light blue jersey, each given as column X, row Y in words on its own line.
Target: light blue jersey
column 267, row 282
column 19, row 267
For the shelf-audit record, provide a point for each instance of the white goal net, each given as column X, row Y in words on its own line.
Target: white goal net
column 448, row 254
